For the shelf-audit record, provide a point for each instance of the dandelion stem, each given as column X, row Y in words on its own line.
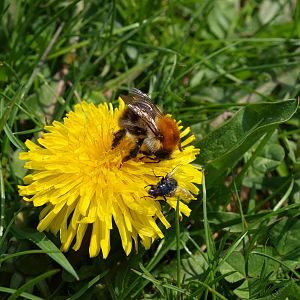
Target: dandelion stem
column 178, row 243
column 2, row 204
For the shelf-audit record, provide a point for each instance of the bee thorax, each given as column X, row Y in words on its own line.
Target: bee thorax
column 166, row 187
column 152, row 144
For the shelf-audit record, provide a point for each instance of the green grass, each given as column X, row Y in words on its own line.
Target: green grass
column 230, row 70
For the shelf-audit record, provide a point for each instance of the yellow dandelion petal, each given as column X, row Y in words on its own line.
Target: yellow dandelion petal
column 31, row 146
column 95, row 239
column 79, row 236
column 105, row 240
column 64, row 224
column 46, row 221
column 188, row 141
column 163, row 219
column 70, row 234
column 185, row 132
column 55, row 226
column 45, row 210
column 82, row 182
column 183, row 208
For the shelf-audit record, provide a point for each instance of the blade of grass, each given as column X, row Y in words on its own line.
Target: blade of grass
column 24, row 294
column 2, row 208
column 15, row 141
column 208, row 288
column 48, row 246
column 208, row 237
column 208, row 234
column 285, row 196
column 88, row 285
column 27, row 252
column 278, row 261
column 177, row 228
column 244, row 222
column 31, row 283
column 157, row 282
column 232, row 248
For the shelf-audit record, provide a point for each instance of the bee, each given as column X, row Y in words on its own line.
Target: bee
column 167, row 187
column 148, row 127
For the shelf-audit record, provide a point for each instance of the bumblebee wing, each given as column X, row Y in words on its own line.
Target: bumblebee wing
column 141, row 104
column 140, row 96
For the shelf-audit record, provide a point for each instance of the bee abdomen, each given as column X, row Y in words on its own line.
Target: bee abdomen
column 130, row 121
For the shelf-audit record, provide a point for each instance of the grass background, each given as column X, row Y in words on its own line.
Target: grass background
column 206, row 62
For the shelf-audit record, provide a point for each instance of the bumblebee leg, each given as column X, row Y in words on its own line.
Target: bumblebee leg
column 179, row 147
column 154, row 160
column 118, row 137
column 146, row 153
column 134, row 152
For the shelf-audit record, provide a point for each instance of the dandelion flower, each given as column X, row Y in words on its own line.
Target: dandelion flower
column 82, row 182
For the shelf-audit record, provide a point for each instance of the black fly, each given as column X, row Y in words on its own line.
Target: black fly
column 166, row 187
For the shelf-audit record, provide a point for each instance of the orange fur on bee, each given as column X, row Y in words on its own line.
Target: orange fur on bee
column 170, row 133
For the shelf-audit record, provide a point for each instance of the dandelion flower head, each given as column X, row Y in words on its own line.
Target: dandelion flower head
column 80, row 181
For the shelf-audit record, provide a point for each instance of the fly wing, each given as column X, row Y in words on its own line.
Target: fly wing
column 184, row 194
column 174, row 170
column 141, row 104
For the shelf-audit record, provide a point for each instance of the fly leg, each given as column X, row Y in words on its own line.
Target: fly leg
column 148, row 197
column 118, row 137
column 134, row 152
column 149, row 185
column 157, row 176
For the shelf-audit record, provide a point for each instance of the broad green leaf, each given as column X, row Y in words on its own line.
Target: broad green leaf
column 270, row 158
column 261, row 266
column 260, row 290
column 254, row 289
column 290, row 291
column 45, row 244
column 243, row 290
column 220, row 17
column 192, row 266
column 268, row 10
column 234, row 263
column 285, row 236
column 223, row 148
column 17, row 165
column 262, row 182
column 184, row 237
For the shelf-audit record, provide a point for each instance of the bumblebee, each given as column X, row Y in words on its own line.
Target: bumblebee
column 143, row 122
